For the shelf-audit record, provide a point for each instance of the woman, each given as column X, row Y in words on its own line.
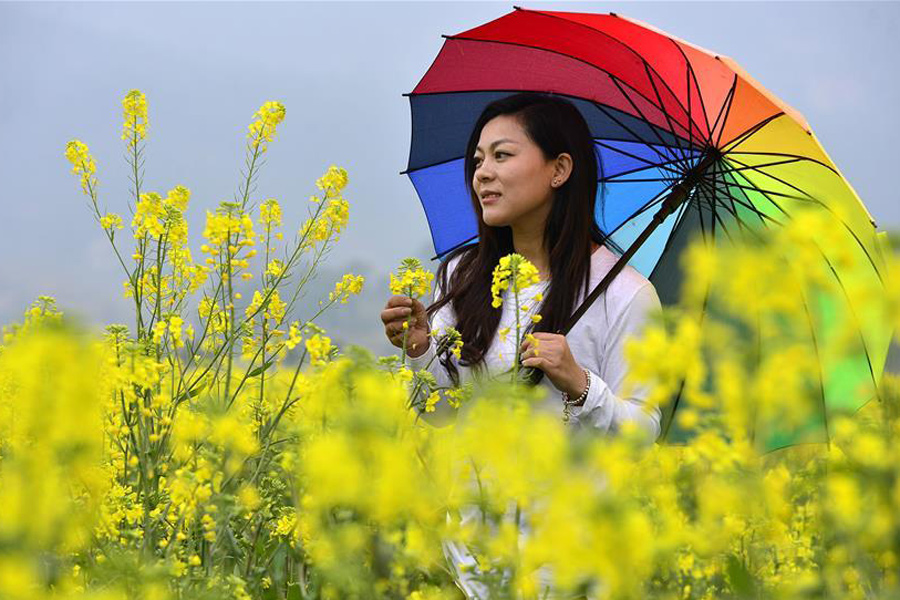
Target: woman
column 531, row 170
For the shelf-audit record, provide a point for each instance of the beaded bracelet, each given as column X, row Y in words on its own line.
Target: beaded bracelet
column 567, row 402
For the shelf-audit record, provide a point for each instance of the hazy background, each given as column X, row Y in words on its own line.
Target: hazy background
column 340, row 69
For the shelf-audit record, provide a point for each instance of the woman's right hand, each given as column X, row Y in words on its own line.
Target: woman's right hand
column 397, row 311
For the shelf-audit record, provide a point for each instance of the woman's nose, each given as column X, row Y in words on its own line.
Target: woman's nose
column 482, row 172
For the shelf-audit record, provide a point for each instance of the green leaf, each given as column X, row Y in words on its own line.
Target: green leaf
column 258, row 370
column 192, row 394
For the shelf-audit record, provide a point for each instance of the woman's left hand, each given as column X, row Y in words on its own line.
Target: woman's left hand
column 554, row 358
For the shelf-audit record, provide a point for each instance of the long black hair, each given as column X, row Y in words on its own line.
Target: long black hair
column 555, row 125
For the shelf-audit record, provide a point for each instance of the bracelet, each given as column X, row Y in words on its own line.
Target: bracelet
column 583, row 395
column 567, row 402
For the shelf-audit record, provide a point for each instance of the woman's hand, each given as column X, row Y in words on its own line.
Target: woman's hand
column 555, row 359
column 400, row 309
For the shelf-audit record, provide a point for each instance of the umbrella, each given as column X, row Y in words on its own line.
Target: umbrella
column 687, row 144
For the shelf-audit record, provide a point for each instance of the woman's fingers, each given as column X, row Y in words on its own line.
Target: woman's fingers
column 393, row 314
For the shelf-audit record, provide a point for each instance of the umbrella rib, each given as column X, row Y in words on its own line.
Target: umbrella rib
column 713, row 205
column 691, row 74
column 642, row 116
column 812, row 333
column 712, row 188
column 650, row 164
column 727, row 179
column 747, row 203
column 749, row 132
column 718, row 177
column 678, row 222
column 805, row 198
column 682, row 150
column 799, row 157
column 741, row 223
column 853, row 313
column 726, row 107
column 771, row 164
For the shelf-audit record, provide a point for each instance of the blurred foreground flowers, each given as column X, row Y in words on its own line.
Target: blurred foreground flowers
column 161, row 462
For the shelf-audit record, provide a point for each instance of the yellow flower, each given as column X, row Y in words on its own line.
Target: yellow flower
column 149, row 216
column 512, row 267
column 413, row 280
column 332, row 182
column 431, row 401
column 159, row 330
column 294, row 336
column 275, row 267
column 175, row 325
column 319, row 348
column 111, row 221
column 350, row 284
column 82, row 164
column 270, row 213
column 274, row 309
column 262, row 130
column 178, row 198
column 454, row 396
column 134, row 109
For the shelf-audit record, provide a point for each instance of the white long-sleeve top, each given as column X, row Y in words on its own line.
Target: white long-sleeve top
column 596, row 341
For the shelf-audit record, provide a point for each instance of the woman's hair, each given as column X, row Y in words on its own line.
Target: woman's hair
column 555, row 125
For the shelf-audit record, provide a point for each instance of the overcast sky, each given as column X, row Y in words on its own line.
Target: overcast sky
column 340, row 69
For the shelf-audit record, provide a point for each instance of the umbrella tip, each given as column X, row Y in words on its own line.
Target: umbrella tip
column 612, row 14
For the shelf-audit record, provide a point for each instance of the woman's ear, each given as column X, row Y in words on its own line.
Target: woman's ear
column 562, row 169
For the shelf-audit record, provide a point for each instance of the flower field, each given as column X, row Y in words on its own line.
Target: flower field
column 220, row 446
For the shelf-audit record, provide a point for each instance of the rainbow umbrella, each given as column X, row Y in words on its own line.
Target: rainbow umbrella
column 687, row 144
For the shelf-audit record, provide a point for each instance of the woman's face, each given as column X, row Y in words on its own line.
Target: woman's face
column 512, row 179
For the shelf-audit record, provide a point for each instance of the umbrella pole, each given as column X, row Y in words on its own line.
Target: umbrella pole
column 669, row 205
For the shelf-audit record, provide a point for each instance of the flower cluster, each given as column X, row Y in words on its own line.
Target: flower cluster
column 82, row 164
column 262, row 129
column 349, row 285
column 331, row 217
column 270, row 214
column 319, row 348
column 512, row 268
column 333, row 181
column 134, row 109
column 412, row 279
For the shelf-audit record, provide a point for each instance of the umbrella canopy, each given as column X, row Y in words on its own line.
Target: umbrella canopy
column 687, row 144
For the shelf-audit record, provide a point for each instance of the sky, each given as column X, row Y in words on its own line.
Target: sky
column 340, row 69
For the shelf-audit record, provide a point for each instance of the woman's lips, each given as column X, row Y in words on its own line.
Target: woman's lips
column 490, row 199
